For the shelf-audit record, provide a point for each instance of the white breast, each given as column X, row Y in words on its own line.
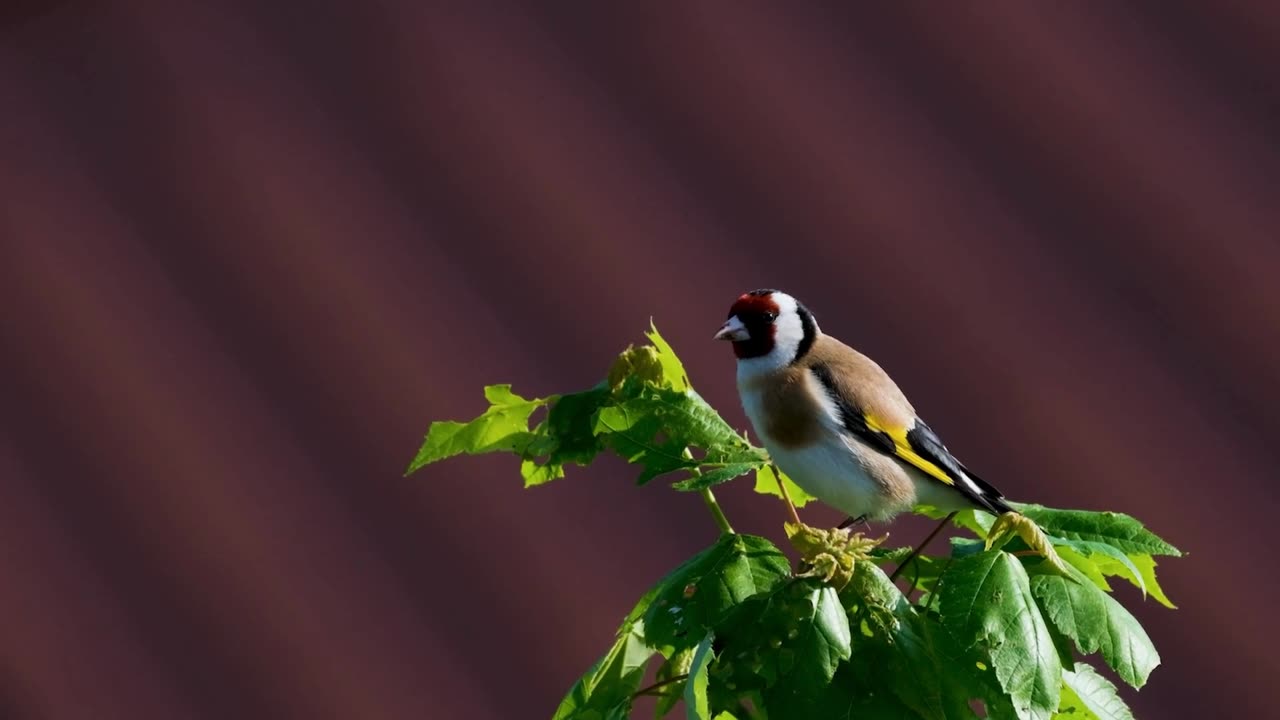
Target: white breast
column 830, row 469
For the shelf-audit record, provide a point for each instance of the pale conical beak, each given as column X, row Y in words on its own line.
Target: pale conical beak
column 733, row 329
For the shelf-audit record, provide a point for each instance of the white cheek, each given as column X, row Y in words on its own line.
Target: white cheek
column 788, row 334
column 752, row 368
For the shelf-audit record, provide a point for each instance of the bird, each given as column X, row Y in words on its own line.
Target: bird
column 836, row 423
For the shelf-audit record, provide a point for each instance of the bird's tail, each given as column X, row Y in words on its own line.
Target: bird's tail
column 990, row 499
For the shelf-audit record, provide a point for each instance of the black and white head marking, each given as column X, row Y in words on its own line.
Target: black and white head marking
column 770, row 330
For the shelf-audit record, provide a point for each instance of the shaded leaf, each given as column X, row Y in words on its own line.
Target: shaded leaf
column 788, row 644
column 569, row 428
column 847, row 697
column 909, row 652
column 697, row 595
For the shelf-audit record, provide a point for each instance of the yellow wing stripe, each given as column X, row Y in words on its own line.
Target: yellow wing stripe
column 902, row 449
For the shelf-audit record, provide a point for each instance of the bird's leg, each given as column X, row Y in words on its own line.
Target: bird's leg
column 920, row 548
column 786, row 496
column 853, row 522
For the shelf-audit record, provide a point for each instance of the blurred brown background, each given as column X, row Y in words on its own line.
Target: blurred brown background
column 249, row 250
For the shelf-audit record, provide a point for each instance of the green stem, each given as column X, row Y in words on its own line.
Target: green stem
column 920, row 548
column 710, row 499
column 716, row 512
column 652, row 689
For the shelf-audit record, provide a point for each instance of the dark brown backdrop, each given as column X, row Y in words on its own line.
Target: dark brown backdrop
column 248, row 250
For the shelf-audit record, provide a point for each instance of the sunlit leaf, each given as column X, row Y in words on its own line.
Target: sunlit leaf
column 986, row 602
column 1096, row 622
column 1086, row 695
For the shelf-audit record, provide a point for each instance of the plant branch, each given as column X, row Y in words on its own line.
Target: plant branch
column 920, row 548
column 710, row 500
column 659, row 685
column 786, row 496
column 716, row 512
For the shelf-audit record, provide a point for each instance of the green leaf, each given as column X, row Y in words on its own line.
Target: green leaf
column 821, row 641
column 564, row 437
column 535, row 474
column 986, row 602
column 767, row 484
column 787, row 644
column 697, row 707
column 1087, row 566
column 1095, row 621
column 1086, row 695
column 1145, row 566
column 697, row 595
column 978, row 522
column 656, row 425
column 671, row 693
column 911, row 653
column 570, row 426
column 1109, row 528
column 646, row 411
column 797, row 648
column 715, row 476
column 857, row 692
column 503, row 426
column 1108, row 559
column 605, row 692
column 672, row 369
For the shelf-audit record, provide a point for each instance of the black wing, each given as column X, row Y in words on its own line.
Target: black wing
column 929, row 446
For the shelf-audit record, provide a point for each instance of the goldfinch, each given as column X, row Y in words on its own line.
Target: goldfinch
column 835, row 422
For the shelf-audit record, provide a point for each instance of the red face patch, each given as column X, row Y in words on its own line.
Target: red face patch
column 749, row 304
column 757, row 311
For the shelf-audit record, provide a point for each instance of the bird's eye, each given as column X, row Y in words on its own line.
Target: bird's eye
column 770, row 317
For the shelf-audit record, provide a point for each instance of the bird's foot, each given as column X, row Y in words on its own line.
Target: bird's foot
column 830, row 554
column 852, row 522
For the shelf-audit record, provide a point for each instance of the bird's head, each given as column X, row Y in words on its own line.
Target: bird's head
column 768, row 328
